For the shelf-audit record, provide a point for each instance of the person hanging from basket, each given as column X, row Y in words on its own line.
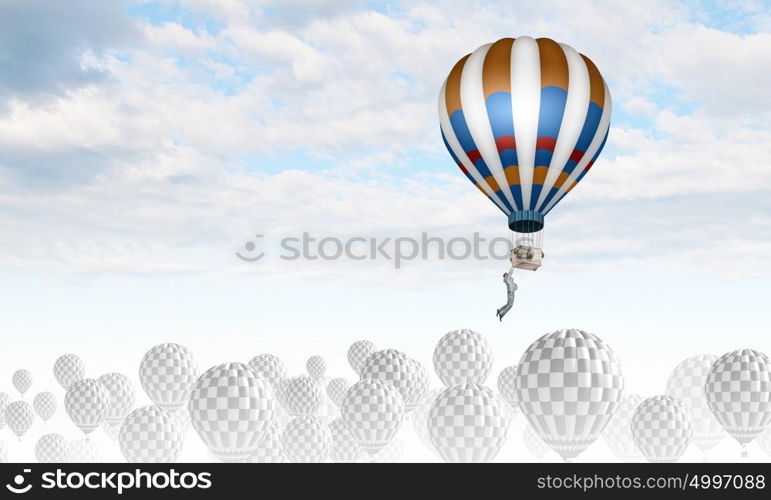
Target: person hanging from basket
column 511, row 289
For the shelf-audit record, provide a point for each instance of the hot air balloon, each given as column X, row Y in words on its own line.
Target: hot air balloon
column 662, row 428
column 150, row 435
column 19, row 417
column 525, row 120
column 569, row 383
column 467, row 423
column 301, row 395
column 316, row 366
column 686, row 384
column 167, row 374
column 231, row 409
column 270, row 450
column 22, row 381
column 87, row 402
column 618, row 432
column 336, row 390
column 358, row 354
column 394, row 367
column 343, row 447
column 462, row 356
column 68, row 368
column 269, row 367
column 738, row 390
column 45, row 405
column 373, row 411
column 306, row 440
column 121, row 393
column 52, row 448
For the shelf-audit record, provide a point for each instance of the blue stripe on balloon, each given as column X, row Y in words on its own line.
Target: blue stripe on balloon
column 553, row 100
column 535, row 192
column 499, row 114
column 552, row 192
column 459, row 126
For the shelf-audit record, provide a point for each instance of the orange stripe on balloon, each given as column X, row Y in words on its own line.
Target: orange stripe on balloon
column 496, row 71
column 554, row 64
column 596, row 85
column 452, row 87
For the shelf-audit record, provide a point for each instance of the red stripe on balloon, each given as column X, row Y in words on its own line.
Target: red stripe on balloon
column 546, row 143
column 473, row 155
column 576, row 155
column 505, row 142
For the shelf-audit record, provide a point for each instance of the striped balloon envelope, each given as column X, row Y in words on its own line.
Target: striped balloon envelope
column 525, row 119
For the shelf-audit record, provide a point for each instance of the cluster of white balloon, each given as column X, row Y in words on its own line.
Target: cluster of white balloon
column 568, row 385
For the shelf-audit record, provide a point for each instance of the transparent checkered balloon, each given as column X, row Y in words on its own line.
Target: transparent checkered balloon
column 568, row 384
column 662, row 428
column 618, row 433
column 68, row 368
column 316, row 366
column 301, row 395
column 507, row 388
column 468, row 424
column 22, row 380
column 419, row 419
column 3, row 453
column 358, row 354
column 270, row 449
column 738, row 391
column 121, row 393
column 686, row 384
column 19, row 417
column 462, row 356
column 4, row 400
column 533, row 443
column 87, row 402
column 85, row 451
column 150, row 435
column 167, row 373
column 45, row 405
column 231, row 409
column 418, row 392
column 336, row 389
column 343, row 447
column 270, row 367
column 52, row 448
column 306, row 439
column 373, row 411
column 393, row 367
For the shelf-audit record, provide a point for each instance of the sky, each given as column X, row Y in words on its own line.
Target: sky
column 144, row 143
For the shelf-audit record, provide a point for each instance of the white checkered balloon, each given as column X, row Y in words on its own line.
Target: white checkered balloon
column 87, row 403
column 150, row 435
column 462, row 356
column 19, row 417
column 167, row 373
column 316, row 366
column 68, row 368
column 618, row 433
column 662, row 428
column 533, row 443
column 4, row 400
column 343, row 447
column 269, row 367
column 45, row 405
column 336, row 389
column 686, row 384
column 738, row 391
column 568, row 384
column 507, row 388
column 393, row 367
column 373, row 411
column 270, row 449
column 301, row 395
column 51, row 448
column 22, row 380
column 306, row 439
column 121, row 393
column 358, row 354
column 231, row 408
column 468, row 423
